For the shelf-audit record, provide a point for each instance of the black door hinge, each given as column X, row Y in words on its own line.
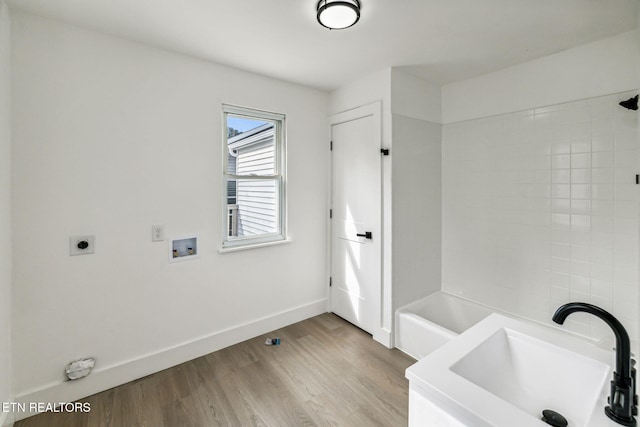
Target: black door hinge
column 384, row 151
column 637, row 179
column 330, row 145
column 330, row 213
column 330, row 282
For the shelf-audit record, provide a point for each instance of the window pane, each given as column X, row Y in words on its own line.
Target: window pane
column 256, row 207
column 253, row 177
column 251, row 146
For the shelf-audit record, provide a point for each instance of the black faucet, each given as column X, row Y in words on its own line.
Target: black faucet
column 623, row 400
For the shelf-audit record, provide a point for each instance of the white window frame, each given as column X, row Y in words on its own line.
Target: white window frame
column 236, row 243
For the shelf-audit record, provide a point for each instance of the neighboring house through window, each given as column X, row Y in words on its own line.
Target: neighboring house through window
column 254, row 153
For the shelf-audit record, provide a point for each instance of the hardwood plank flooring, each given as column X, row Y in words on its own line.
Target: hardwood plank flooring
column 325, row 372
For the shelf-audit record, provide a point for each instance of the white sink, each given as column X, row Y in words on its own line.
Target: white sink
column 505, row 372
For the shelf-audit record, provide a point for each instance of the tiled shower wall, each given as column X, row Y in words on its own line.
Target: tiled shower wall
column 540, row 208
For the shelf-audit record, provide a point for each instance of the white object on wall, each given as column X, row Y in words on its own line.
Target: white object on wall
column 157, row 233
column 183, row 248
column 79, row 368
column 82, row 245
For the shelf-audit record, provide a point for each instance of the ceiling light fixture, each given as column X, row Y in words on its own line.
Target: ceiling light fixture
column 338, row 14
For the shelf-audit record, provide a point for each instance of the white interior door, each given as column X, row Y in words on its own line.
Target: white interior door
column 356, row 222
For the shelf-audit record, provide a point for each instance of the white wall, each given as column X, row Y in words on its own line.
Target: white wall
column 5, row 209
column 539, row 203
column 415, row 97
column 604, row 67
column 111, row 137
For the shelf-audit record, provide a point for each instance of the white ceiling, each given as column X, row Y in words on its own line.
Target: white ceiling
column 440, row 40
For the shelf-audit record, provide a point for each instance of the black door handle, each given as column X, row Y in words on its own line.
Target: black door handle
column 366, row 235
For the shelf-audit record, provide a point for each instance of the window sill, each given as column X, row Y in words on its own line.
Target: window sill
column 253, row 246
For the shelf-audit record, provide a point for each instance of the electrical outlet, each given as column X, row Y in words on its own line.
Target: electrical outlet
column 81, row 245
column 157, row 233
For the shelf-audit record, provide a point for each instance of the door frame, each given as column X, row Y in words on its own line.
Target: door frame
column 381, row 333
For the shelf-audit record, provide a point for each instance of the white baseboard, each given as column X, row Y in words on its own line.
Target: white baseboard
column 111, row 376
column 384, row 337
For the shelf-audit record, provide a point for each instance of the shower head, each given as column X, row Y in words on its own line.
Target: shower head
column 631, row 103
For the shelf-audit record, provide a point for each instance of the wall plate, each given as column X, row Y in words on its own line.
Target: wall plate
column 82, row 245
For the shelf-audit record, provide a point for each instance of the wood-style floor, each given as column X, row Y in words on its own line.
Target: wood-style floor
column 325, row 372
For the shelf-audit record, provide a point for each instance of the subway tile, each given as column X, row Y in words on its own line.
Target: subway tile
column 602, row 207
column 606, row 303
column 561, row 176
column 561, row 280
column 602, row 224
column 560, row 235
column 602, row 142
column 542, row 120
column 561, row 148
column 602, row 192
column 573, row 325
column 526, row 120
column 626, row 192
column 560, row 191
column 509, row 124
column 602, row 272
column 602, row 175
column 580, row 176
column 561, row 220
column 580, row 191
column 602, row 289
column 562, row 295
column 582, row 269
column 582, row 160
column 602, row 159
column 561, row 250
column 542, row 176
column 554, row 198
column 583, row 297
column 582, row 145
column 624, row 275
column 581, row 206
column 580, row 222
column 541, row 162
column 579, row 253
column 602, row 125
column 602, row 256
column 561, row 205
column 603, row 240
column 580, row 284
column 628, row 226
column 625, row 175
column 561, row 265
column 625, row 301
column 626, row 208
column 623, row 121
column 580, row 237
column 625, row 258
column 626, row 159
column 625, row 242
column 625, row 140
column 563, row 161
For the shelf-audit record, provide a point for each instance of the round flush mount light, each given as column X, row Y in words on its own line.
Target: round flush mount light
column 338, row 14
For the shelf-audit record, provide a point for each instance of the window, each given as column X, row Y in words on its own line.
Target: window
column 254, row 177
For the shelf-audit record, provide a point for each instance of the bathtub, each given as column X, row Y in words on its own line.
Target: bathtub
column 426, row 324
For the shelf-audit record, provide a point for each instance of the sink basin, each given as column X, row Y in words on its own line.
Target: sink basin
column 534, row 375
column 505, row 372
